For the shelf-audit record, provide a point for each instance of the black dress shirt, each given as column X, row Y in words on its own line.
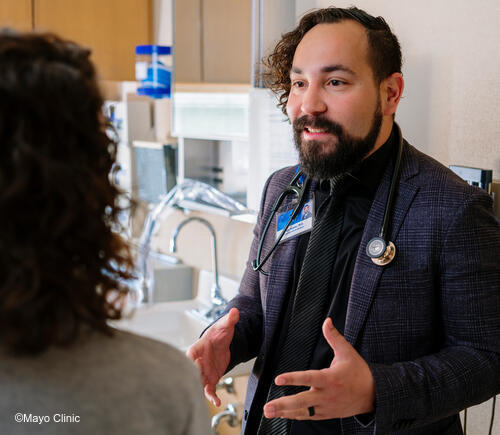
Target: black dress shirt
column 357, row 201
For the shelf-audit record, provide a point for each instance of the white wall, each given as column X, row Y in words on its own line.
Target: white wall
column 163, row 13
column 451, row 65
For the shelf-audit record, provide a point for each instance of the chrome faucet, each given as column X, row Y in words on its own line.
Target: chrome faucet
column 230, row 413
column 216, row 299
column 227, row 384
column 193, row 191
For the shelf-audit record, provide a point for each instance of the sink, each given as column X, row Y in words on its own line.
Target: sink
column 170, row 322
column 172, row 282
column 179, row 323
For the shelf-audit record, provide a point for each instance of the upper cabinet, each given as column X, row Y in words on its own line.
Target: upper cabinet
column 111, row 28
column 212, row 41
column 16, row 14
column 212, row 37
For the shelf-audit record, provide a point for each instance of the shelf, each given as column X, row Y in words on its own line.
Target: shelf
column 211, row 115
column 231, row 88
column 247, row 216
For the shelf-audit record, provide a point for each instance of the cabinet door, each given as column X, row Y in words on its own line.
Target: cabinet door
column 212, row 41
column 226, row 40
column 187, row 39
column 16, row 14
column 110, row 28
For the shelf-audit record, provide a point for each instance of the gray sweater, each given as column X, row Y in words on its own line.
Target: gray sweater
column 123, row 384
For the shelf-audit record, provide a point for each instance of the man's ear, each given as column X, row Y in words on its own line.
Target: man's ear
column 391, row 90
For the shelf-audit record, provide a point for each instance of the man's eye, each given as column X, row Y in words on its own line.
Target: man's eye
column 298, row 84
column 334, row 82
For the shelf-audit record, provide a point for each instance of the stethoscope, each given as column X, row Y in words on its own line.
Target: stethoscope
column 381, row 251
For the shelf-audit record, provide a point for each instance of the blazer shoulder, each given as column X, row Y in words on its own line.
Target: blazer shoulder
column 281, row 178
column 277, row 181
column 273, row 186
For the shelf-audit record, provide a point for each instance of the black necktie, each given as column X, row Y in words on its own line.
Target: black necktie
column 311, row 296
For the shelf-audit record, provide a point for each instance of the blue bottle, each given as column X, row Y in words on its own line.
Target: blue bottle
column 153, row 70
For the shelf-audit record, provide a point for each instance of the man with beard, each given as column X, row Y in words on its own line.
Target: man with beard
column 416, row 340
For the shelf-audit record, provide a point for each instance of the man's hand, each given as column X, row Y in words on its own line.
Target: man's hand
column 344, row 389
column 211, row 353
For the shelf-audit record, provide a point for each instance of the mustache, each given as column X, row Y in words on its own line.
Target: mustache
column 317, row 122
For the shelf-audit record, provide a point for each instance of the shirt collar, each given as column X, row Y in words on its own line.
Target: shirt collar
column 371, row 169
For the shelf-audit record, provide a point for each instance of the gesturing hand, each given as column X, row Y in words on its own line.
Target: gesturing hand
column 211, row 353
column 344, row 389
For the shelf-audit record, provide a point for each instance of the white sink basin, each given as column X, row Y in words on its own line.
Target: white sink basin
column 170, row 322
column 174, row 322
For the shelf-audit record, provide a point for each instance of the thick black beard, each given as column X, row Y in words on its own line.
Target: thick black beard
column 348, row 152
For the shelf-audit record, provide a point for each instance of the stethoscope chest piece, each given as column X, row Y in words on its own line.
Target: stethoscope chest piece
column 380, row 252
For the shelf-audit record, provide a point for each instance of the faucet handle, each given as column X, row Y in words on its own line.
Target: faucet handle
column 216, row 295
column 214, row 312
column 227, row 384
column 230, row 413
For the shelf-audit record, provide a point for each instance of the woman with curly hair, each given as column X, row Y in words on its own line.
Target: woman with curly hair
column 62, row 265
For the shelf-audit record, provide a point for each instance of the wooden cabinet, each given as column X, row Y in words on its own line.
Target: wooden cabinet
column 187, row 47
column 212, row 37
column 16, row 14
column 111, row 28
column 212, row 41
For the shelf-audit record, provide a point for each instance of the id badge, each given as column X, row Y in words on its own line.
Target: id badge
column 302, row 223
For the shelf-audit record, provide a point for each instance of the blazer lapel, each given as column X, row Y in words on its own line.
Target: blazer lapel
column 366, row 274
column 281, row 269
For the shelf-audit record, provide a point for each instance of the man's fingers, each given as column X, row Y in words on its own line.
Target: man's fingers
column 211, row 353
column 202, row 370
column 300, row 414
column 335, row 339
column 192, row 352
column 197, row 361
column 306, row 378
column 289, row 404
column 224, row 325
column 208, row 371
column 209, row 388
column 232, row 318
column 211, row 395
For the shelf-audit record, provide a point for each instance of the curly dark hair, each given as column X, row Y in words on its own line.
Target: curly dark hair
column 385, row 51
column 61, row 263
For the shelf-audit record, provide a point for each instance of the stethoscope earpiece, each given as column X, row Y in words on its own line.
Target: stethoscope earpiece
column 380, row 252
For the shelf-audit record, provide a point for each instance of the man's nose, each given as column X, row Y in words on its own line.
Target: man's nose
column 313, row 102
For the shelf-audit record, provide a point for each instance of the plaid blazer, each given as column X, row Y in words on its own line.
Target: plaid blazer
column 428, row 324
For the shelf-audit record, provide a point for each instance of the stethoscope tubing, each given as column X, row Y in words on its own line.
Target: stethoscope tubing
column 297, row 191
column 300, row 190
column 392, row 189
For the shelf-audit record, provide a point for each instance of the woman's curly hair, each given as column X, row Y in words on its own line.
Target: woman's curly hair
column 61, row 263
column 385, row 51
